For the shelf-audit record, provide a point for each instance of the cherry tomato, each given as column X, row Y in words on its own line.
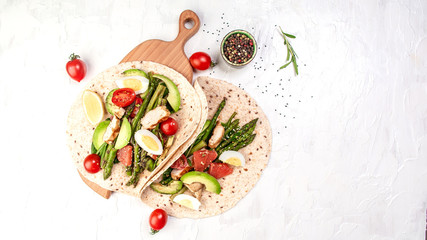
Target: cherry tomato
column 92, row 163
column 200, row 61
column 123, row 97
column 180, row 163
column 219, row 170
column 158, row 219
column 138, row 102
column 203, row 158
column 124, row 155
column 169, row 127
column 76, row 68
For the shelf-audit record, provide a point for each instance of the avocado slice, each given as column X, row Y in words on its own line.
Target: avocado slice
column 109, row 105
column 124, row 134
column 211, row 184
column 173, row 98
column 173, row 187
column 98, row 134
column 134, row 72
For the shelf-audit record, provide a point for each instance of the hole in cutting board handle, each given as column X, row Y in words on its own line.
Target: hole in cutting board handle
column 188, row 23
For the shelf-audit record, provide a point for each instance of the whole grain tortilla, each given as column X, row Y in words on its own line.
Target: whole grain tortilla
column 235, row 186
column 79, row 130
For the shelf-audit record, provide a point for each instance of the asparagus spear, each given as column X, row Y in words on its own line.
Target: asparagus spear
column 106, row 155
column 199, row 137
column 136, row 168
column 245, row 143
column 198, row 146
column 237, row 134
column 231, row 127
column 129, row 110
column 110, row 163
column 160, row 88
column 243, row 137
column 144, row 105
column 213, row 121
column 159, row 100
column 129, row 170
column 242, row 144
column 230, row 119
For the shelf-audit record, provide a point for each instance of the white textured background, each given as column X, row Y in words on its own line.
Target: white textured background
column 349, row 154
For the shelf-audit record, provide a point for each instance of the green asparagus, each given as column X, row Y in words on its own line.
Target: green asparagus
column 110, row 162
column 237, row 134
column 230, row 119
column 198, row 146
column 234, row 124
column 160, row 88
column 245, row 143
column 106, row 155
column 129, row 110
column 213, row 121
column 144, row 105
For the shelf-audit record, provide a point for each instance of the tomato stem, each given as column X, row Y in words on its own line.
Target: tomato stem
column 154, row 231
column 74, row 56
column 213, row 64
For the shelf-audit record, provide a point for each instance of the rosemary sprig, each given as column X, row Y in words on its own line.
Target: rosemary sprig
column 291, row 56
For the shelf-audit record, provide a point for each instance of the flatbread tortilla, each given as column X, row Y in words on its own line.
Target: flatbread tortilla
column 79, row 130
column 190, row 141
column 243, row 179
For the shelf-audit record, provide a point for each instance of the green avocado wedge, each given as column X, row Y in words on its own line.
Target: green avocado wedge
column 173, row 187
column 211, row 184
column 109, row 105
column 134, row 72
column 173, row 98
column 98, row 134
column 124, row 134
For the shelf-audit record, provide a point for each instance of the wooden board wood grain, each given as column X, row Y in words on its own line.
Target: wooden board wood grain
column 170, row 54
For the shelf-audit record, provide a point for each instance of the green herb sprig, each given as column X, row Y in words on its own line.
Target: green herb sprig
column 291, row 56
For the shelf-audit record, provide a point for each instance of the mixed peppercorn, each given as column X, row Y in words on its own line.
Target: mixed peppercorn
column 238, row 48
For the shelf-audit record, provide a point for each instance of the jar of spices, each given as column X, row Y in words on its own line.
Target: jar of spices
column 238, row 48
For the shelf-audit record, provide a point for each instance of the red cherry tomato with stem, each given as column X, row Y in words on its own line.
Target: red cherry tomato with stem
column 76, row 68
column 92, row 163
column 123, row 97
column 169, row 127
column 201, row 61
column 158, row 219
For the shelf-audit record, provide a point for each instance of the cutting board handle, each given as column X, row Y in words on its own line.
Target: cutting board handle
column 185, row 33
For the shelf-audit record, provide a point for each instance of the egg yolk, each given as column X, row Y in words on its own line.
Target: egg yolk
column 234, row 161
column 150, row 143
column 132, row 83
column 187, row 203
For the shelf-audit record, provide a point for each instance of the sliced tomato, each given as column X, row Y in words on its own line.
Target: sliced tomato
column 181, row 163
column 203, row 158
column 219, row 170
column 123, row 97
column 138, row 102
column 124, row 155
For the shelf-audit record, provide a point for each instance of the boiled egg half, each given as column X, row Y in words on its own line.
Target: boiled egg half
column 233, row 158
column 138, row 83
column 149, row 142
column 187, row 201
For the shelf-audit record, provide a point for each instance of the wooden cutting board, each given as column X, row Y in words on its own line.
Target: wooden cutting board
column 170, row 54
